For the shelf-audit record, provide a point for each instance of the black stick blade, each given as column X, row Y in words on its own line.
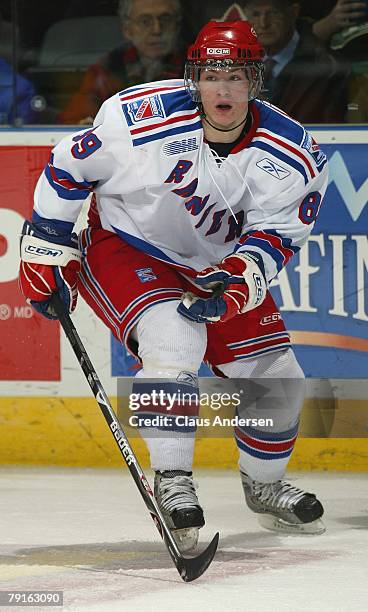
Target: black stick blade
column 191, row 568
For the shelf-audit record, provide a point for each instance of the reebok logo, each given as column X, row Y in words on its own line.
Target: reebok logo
column 272, row 168
column 189, row 378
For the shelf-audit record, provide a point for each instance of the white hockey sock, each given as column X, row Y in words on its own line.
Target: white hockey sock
column 170, row 445
column 264, row 452
column 169, row 453
column 258, row 460
column 171, row 359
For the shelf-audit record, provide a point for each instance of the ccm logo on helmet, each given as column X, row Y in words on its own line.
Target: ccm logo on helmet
column 35, row 250
column 217, row 51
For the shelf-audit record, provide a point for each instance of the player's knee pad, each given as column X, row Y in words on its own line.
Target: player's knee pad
column 168, row 343
column 170, row 347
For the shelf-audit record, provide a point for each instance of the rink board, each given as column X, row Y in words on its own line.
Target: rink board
column 72, row 432
column 47, row 416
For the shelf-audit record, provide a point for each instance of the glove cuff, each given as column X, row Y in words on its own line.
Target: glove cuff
column 37, row 250
column 245, row 266
column 239, row 260
column 49, row 249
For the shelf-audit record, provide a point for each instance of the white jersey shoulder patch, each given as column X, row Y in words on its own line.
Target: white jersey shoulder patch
column 158, row 110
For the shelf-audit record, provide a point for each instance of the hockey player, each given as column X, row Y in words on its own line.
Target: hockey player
column 202, row 193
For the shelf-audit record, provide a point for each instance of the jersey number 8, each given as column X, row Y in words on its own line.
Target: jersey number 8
column 308, row 209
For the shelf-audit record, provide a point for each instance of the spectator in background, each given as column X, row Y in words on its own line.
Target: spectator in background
column 352, row 42
column 16, row 94
column 302, row 77
column 151, row 29
column 344, row 14
column 343, row 25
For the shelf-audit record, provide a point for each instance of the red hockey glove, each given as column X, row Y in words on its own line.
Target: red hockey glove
column 49, row 262
column 238, row 286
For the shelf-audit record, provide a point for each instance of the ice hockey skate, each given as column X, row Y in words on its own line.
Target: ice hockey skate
column 175, row 492
column 283, row 507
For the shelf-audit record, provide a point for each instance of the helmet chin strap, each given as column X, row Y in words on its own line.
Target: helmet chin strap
column 203, row 116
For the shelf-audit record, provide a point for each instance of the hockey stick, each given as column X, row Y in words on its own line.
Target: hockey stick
column 188, row 568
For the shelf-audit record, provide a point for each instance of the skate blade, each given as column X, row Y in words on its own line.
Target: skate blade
column 273, row 523
column 186, row 539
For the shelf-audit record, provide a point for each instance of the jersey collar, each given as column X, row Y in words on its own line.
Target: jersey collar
column 248, row 137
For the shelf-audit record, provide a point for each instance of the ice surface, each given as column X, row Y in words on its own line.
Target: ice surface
column 88, row 533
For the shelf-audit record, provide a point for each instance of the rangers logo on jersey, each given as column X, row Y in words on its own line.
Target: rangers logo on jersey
column 145, row 274
column 310, row 145
column 145, row 108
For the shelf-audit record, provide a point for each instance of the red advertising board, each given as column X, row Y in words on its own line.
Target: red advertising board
column 29, row 343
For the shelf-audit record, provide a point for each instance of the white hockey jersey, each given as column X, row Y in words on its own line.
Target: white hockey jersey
column 159, row 186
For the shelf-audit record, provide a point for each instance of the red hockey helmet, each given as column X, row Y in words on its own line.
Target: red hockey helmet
column 224, row 45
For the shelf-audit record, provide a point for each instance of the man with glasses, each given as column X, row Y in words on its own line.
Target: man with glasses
column 151, row 30
column 302, row 77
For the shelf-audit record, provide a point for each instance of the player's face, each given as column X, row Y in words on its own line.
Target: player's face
column 224, row 95
column 152, row 27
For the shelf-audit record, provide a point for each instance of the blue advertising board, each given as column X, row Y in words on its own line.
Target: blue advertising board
column 322, row 294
